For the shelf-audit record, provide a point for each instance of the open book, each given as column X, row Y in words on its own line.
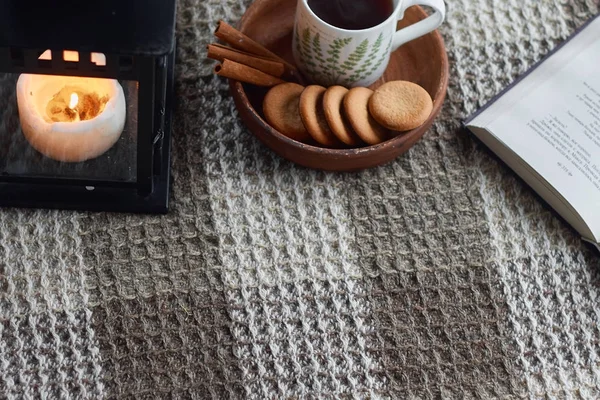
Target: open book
column 546, row 127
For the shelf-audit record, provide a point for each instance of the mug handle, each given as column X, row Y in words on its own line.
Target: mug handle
column 423, row 27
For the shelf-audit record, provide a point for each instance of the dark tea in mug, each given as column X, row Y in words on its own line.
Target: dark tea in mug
column 352, row 14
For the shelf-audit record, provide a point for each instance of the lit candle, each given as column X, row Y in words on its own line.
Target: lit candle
column 73, row 105
column 70, row 119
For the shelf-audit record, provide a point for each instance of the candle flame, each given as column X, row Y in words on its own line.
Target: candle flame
column 74, row 101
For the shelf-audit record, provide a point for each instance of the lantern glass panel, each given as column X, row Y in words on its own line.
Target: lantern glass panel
column 18, row 158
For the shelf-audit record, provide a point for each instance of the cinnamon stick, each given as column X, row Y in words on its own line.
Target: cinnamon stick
column 239, row 41
column 221, row 53
column 243, row 73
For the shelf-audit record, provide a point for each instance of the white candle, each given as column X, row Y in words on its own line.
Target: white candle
column 70, row 119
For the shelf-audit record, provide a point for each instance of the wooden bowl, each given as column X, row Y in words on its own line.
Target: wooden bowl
column 423, row 61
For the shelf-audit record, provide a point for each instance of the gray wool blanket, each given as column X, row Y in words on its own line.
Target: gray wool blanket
column 440, row 275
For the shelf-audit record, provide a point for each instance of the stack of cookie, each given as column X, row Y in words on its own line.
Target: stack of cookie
column 336, row 117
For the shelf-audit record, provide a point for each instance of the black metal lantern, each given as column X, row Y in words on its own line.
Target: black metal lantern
column 85, row 104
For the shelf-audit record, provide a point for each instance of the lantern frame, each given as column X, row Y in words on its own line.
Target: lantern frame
column 143, row 52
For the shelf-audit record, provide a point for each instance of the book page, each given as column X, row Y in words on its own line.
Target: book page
column 554, row 125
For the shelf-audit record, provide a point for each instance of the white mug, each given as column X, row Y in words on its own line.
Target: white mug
column 329, row 56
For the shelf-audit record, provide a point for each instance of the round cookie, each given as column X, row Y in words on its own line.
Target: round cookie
column 340, row 126
column 281, row 109
column 313, row 116
column 356, row 108
column 401, row 105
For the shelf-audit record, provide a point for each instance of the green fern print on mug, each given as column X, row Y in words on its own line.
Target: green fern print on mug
column 341, row 61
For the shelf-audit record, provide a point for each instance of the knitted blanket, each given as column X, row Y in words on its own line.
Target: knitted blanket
column 440, row 275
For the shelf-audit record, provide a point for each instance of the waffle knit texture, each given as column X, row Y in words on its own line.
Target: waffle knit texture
column 440, row 275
